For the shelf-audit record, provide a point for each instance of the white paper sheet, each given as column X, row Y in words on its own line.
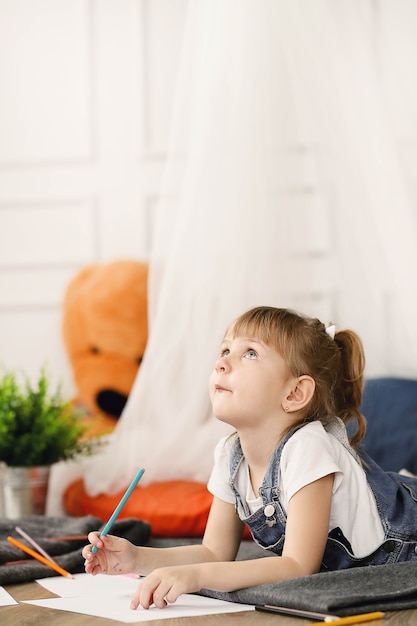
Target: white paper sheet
column 88, row 585
column 117, row 607
column 109, row 597
column 5, row 598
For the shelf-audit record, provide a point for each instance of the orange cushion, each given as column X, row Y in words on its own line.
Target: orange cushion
column 177, row 508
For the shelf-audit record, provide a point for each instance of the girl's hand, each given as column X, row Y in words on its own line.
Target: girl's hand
column 165, row 584
column 114, row 555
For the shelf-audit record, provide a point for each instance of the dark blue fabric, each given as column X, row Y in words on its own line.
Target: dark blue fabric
column 390, row 407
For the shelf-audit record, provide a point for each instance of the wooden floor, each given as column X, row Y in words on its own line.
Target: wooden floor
column 26, row 614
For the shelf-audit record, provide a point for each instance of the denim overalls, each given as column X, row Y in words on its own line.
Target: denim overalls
column 396, row 498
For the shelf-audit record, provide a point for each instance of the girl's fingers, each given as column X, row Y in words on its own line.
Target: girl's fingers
column 135, row 600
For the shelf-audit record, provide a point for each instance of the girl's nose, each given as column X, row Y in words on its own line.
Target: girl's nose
column 220, row 366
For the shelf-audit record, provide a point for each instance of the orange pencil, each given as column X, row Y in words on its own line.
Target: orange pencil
column 39, row 557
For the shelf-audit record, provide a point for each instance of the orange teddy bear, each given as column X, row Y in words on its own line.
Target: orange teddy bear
column 105, row 331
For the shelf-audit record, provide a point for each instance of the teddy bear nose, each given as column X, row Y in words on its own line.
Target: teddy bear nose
column 111, row 401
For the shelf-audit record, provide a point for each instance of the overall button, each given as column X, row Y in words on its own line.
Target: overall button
column 269, row 510
column 415, row 549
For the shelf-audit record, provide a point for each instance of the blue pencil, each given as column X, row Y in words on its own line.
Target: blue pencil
column 119, row 507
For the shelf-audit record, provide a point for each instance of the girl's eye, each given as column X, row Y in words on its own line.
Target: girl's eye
column 251, row 354
column 225, row 352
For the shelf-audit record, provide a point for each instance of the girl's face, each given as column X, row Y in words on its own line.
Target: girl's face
column 249, row 383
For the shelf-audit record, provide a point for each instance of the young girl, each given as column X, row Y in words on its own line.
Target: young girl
column 288, row 386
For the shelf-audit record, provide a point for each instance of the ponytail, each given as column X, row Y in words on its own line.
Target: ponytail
column 350, row 381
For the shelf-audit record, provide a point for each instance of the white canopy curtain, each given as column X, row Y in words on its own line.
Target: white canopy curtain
column 284, row 186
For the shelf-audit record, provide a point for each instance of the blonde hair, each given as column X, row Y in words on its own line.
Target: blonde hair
column 336, row 365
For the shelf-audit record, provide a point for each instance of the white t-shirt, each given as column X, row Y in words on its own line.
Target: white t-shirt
column 312, row 453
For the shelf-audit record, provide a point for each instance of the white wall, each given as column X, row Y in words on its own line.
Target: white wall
column 86, row 95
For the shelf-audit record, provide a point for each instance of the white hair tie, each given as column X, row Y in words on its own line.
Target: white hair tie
column 331, row 330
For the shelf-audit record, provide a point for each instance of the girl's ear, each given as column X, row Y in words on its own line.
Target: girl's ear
column 300, row 395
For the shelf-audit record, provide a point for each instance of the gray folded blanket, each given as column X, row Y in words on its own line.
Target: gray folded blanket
column 66, row 552
column 344, row 592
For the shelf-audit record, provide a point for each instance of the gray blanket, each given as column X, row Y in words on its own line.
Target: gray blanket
column 66, row 552
column 345, row 592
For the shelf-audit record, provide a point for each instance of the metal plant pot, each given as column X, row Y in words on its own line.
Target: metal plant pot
column 23, row 490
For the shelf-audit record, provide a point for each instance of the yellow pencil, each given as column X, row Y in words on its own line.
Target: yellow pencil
column 352, row 619
column 39, row 557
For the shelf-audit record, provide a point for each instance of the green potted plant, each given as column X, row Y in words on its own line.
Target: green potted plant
column 38, row 427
